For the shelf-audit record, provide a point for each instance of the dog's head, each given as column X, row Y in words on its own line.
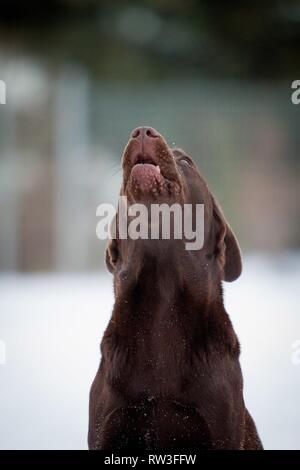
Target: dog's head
column 153, row 173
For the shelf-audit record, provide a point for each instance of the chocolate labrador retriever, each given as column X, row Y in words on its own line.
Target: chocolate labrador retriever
column 170, row 376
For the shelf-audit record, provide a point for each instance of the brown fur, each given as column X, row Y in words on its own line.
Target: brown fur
column 170, row 376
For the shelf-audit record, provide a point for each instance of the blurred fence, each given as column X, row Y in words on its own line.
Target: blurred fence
column 61, row 139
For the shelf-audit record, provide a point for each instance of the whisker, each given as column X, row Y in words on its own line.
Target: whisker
column 116, row 172
column 114, row 165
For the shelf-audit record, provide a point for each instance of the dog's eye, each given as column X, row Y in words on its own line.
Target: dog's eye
column 185, row 161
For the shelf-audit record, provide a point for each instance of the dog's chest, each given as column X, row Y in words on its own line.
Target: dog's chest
column 159, row 360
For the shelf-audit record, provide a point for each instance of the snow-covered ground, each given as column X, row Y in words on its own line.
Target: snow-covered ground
column 50, row 330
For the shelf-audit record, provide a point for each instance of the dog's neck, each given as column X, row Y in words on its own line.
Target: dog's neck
column 160, row 320
column 166, row 290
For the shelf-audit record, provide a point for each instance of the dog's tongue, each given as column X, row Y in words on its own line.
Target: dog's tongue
column 146, row 177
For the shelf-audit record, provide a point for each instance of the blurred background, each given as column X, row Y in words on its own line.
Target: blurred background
column 214, row 79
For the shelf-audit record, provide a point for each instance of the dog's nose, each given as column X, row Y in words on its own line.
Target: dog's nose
column 144, row 133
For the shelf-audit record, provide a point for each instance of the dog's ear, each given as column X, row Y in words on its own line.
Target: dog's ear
column 227, row 248
column 112, row 249
column 111, row 255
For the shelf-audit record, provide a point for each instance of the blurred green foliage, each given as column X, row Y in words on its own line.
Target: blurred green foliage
column 159, row 38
